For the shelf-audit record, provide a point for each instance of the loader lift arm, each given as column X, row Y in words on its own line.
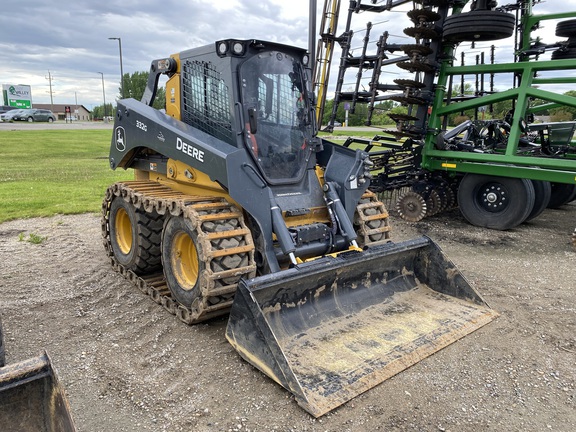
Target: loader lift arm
column 165, row 66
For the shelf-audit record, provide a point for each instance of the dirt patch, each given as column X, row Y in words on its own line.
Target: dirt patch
column 128, row 365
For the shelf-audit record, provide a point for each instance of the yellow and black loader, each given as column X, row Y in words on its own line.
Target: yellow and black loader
column 239, row 208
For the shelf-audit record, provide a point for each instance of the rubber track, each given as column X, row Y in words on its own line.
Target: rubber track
column 371, row 219
column 217, row 295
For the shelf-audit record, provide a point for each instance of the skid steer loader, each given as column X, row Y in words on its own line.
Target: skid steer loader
column 238, row 207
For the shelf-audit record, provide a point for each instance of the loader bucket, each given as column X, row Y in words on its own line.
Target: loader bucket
column 333, row 328
column 31, row 398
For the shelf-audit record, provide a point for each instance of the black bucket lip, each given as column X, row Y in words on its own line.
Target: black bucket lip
column 328, row 263
column 439, row 264
column 321, row 266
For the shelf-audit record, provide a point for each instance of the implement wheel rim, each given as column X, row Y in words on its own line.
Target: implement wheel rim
column 123, row 230
column 493, row 197
column 184, row 261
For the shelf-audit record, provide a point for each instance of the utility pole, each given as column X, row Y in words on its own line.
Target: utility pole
column 121, row 68
column 49, row 78
column 104, row 97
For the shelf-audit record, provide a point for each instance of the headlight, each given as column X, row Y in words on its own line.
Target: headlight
column 222, row 48
column 238, row 48
column 234, row 47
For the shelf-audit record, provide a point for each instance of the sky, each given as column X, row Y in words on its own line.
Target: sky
column 68, row 41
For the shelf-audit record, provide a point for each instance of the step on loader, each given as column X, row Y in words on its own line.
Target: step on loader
column 239, row 208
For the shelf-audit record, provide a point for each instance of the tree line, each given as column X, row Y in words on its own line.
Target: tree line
column 497, row 110
column 134, row 86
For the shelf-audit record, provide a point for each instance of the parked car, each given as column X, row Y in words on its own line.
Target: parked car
column 337, row 124
column 5, row 108
column 33, row 115
column 7, row 116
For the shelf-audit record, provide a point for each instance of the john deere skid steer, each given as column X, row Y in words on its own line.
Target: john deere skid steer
column 238, row 207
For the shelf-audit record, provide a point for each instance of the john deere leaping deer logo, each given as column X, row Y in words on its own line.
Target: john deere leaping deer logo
column 120, row 138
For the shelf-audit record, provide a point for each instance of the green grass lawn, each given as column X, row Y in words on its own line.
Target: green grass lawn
column 47, row 172
column 368, row 133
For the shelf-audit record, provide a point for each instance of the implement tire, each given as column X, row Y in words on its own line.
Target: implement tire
column 542, row 194
column 481, row 25
column 499, row 203
column 135, row 237
column 564, row 54
column 566, row 28
column 181, row 260
column 562, row 193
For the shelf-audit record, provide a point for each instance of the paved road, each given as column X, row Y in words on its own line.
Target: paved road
column 55, row 125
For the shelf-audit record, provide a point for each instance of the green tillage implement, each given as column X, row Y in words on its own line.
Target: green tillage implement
column 371, row 315
column 509, row 162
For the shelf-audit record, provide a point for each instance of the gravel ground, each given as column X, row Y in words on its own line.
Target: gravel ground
column 128, row 365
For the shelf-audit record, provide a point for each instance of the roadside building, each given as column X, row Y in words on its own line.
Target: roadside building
column 77, row 112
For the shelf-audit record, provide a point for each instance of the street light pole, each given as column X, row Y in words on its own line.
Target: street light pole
column 104, row 97
column 121, row 68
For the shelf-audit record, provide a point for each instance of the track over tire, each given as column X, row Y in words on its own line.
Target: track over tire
column 227, row 245
column 562, row 193
column 493, row 202
column 135, row 237
column 542, row 194
column 371, row 221
column 204, row 255
column 181, row 254
column 479, row 25
column 566, row 28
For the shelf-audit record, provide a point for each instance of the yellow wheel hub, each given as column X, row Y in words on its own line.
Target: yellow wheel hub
column 123, row 228
column 184, row 261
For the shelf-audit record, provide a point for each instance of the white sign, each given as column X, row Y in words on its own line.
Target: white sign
column 18, row 96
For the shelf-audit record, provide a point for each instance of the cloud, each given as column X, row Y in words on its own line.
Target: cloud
column 69, row 40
